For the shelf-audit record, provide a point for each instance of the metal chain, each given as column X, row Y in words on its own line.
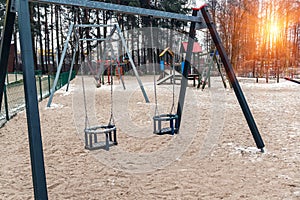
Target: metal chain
column 153, row 65
column 173, row 79
column 84, row 95
column 111, row 120
column 173, row 100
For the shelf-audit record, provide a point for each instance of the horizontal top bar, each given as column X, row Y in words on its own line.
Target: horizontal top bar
column 124, row 9
column 93, row 25
column 93, row 39
column 98, row 39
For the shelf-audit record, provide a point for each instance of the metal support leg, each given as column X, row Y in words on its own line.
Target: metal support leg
column 132, row 64
column 6, row 103
column 232, row 78
column 41, row 89
column 49, row 88
column 5, row 43
column 220, row 72
column 60, row 65
column 187, row 64
column 210, row 66
column 121, row 77
column 32, row 111
column 72, row 64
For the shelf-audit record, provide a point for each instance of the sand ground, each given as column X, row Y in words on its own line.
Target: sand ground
column 213, row 157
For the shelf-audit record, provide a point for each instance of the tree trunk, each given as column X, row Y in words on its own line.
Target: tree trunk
column 57, row 35
column 52, row 40
column 33, row 39
column 47, row 48
column 41, row 50
column 61, row 44
column 16, row 50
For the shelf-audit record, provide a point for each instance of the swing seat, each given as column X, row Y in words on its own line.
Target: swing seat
column 172, row 129
column 91, row 137
column 166, row 130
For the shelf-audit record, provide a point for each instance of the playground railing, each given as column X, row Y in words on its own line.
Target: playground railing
column 14, row 97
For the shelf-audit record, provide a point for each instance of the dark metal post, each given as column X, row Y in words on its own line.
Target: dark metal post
column 187, row 64
column 72, row 64
column 59, row 67
column 5, row 43
column 41, row 89
column 49, row 86
column 220, row 72
column 6, row 103
column 289, row 79
column 232, row 78
column 7, row 79
column 32, row 111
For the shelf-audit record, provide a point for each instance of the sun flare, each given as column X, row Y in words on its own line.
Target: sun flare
column 274, row 30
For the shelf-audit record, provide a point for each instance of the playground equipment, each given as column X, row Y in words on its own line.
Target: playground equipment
column 116, row 66
column 206, row 72
column 290, row 79
column 170, row 117
column 219, row 70
column 200, row 17
column 167, row 75
column 193, row 72
column 173, row 75
column 91, row 133
column 108, row 49
column 74, row 28
column 210, row 64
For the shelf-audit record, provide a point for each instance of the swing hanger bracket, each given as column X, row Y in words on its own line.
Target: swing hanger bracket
column 14, row 6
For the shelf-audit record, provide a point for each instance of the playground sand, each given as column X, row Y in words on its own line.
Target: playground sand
column 213, row 156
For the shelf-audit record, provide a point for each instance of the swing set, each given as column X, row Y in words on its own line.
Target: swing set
column 115, row 29
column 200, row 19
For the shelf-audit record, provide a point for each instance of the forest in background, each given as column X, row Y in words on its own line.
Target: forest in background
column 261, row 37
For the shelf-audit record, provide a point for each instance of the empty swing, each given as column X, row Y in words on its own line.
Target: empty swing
column 170, row 117
column 158, row 128
column 91, row 133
